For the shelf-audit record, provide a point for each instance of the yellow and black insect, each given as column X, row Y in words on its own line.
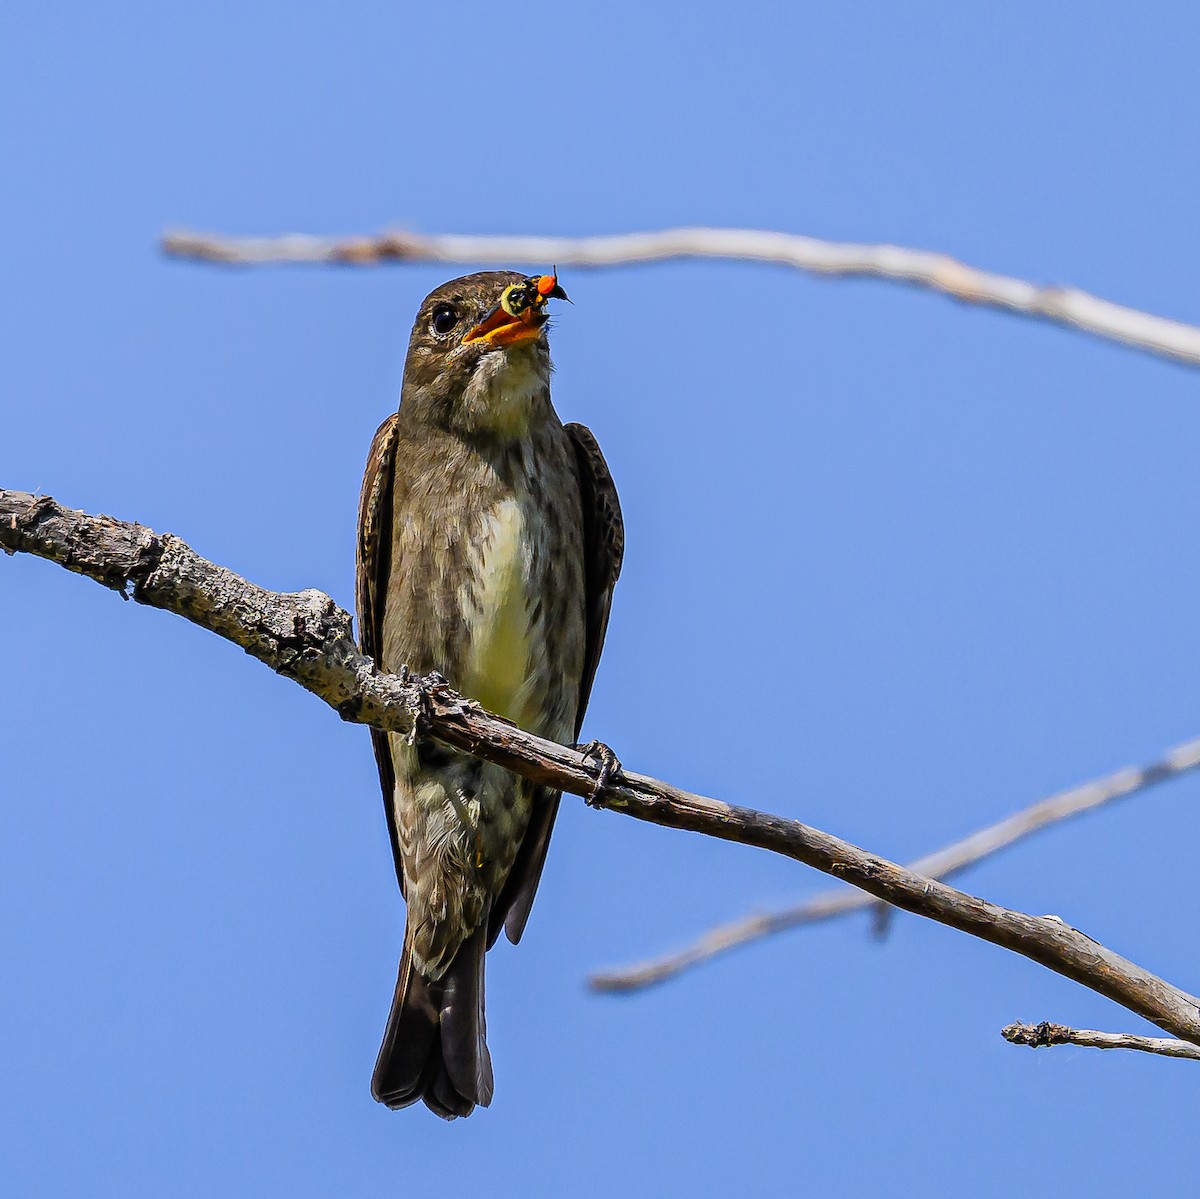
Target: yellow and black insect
column 533, row 293
column 521, row 312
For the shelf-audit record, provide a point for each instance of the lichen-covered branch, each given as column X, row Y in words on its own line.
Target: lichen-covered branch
column 307, row 637
column 942, row 863
column 1038, row 1036
column 918, row 268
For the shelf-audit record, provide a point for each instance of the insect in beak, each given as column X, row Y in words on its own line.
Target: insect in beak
column 521, row 313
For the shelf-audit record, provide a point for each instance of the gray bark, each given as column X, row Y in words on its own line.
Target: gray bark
column 308, row 638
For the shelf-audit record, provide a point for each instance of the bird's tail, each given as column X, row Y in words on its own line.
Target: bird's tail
column 435, row 1044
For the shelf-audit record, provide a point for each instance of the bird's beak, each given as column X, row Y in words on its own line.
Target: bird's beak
column 520, row 315
column 500, row 328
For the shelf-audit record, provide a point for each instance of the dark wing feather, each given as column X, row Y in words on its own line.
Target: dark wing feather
column 603, row 550
column 371, row 578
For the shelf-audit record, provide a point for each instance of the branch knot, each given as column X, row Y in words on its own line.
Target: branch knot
column 1037, row 1036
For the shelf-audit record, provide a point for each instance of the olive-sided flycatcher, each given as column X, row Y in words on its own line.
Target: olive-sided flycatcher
column 489, row 541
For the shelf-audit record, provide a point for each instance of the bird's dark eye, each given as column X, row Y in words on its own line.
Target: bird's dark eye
column 445, row 317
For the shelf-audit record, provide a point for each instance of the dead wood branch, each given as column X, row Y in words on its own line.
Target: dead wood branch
column 307, row 637
column 1038, row 1036
column 942, row 863
column 918, row 268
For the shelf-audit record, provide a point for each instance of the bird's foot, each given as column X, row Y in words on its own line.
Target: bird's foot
column 419, row 707
column 610, row 767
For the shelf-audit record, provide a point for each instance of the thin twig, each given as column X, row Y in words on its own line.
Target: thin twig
column 1037, row 1036
column 919, row 268
column 307, row 637
column 942, row 863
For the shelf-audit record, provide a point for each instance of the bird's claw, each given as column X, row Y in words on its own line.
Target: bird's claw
column 418, row 701
column 610, row 768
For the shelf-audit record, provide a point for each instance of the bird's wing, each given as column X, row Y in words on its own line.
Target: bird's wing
column 603, row 550
column 373, row 565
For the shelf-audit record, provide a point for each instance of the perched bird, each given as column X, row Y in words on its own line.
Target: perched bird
column 489, row 541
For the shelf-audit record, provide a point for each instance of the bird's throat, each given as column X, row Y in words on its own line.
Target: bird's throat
column 505, row 392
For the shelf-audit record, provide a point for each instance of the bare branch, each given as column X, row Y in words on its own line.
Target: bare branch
column 307, row 637
column 940, row 864
column 1037, row 1036
column 919, row 268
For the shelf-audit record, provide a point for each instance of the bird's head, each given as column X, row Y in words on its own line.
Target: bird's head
column 478, row 360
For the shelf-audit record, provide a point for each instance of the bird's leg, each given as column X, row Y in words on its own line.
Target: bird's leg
column 418, row 704
column 610, row 767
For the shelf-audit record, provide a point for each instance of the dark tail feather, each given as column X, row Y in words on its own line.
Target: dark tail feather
column 411, row 1038
column 434, row 1047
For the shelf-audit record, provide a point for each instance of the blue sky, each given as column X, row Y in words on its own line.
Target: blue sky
column 895, row 567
